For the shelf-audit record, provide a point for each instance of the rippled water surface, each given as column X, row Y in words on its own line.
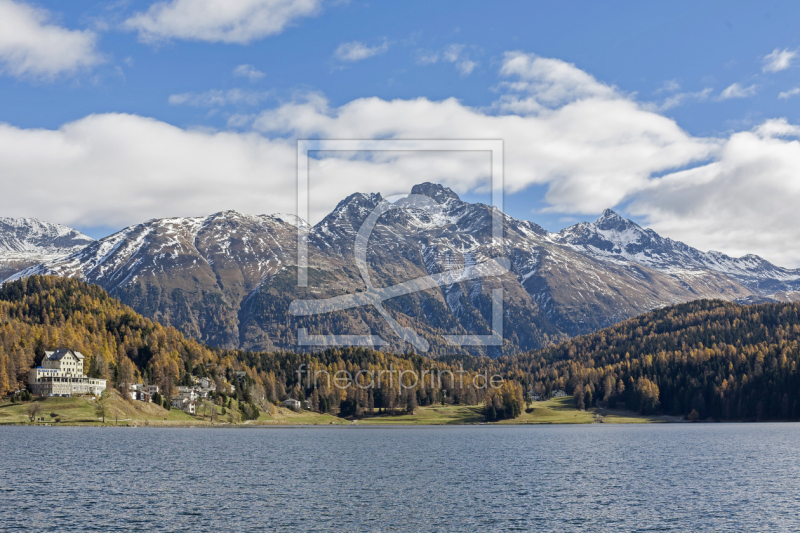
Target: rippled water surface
column 556, row 478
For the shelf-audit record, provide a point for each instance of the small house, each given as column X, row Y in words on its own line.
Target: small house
column 292, row 404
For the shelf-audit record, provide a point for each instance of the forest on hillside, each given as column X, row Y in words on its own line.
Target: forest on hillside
column 44, row 313
column 703, row 359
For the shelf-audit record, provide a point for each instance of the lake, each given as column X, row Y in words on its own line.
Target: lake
column 671, row 477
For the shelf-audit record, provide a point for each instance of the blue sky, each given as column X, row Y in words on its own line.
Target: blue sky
column 705, row 79
column 636, row 46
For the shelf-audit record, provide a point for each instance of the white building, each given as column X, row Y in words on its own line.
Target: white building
column 139, row 392
column 189, row 393
column 61, row 374
column 292, row 404
column 184, row 404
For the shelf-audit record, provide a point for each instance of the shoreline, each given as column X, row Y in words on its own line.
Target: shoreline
column 373, row 426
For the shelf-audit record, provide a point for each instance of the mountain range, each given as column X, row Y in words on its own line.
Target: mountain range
column 228, row 279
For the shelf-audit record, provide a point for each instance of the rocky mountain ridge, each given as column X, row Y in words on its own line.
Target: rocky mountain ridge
column 228, row 279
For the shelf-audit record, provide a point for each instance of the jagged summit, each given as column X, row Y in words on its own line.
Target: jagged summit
column 608, row 213
column 610, row 220
column 357, row 200
column 440, row 193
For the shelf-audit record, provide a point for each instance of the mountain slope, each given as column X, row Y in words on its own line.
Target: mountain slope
column 715, row 358
column 612, row 238
column 189, row 272
column 27, row 241
column 228, row 279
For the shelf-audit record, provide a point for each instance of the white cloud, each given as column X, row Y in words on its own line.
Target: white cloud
column 669, row 86
column 453, row 53
column 356, row 51
column 466, row 66
column 427, row 57
column 31, row 46
column 114, row 170
column 551, row 82
column 680, row 99
column 591, row 145
column 743, row 202
column 248, row 71
column 218, row 98
column 737, row 91
column 779, row 60
column 227, row 21
column 788, row 94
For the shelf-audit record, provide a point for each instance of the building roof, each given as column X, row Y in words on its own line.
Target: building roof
column 59, row 354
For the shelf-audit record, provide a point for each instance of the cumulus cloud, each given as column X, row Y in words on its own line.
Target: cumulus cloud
column 788, row 94
column 591, row 145
column 356, row 51
column 550, row 82
column 226, row 21
column 32, row 46
column 219, row 98
column 588, row 143
column 779, row 60
column 114, row 170
column 743, row 202
column 736, row 90
column 248, row 71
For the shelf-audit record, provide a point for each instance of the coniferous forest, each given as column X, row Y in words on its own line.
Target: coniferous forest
column 700, row 360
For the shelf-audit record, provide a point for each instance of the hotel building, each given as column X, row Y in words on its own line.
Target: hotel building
column 61, row 374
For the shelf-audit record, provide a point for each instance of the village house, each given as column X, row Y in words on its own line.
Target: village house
column 187, row 392
column 139, row 392
column 292, row 404
column 559, row 393
column 61, row 374
column 184, row 404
